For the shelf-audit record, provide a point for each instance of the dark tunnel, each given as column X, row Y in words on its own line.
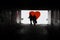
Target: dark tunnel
column 10, row 29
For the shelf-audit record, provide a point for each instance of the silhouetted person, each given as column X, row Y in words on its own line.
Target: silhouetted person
column 31, row 18
column 34, row 20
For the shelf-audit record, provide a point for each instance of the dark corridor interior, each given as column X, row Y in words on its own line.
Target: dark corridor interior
column 10, row 30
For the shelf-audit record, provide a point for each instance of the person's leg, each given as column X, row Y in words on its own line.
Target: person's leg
column 30, row 22
column 35, row 22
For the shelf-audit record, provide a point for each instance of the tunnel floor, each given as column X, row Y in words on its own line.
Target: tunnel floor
column 19, row 32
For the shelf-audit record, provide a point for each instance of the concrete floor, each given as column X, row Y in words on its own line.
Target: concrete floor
column 28, row 32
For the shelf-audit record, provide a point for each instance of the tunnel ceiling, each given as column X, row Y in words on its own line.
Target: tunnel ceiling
column 29, row 4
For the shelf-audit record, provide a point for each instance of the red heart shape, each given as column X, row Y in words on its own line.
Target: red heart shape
column 37, row 14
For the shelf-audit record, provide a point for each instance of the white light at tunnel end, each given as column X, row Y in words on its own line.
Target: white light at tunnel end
column 43, row 19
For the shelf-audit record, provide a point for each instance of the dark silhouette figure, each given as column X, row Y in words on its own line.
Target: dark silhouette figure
column 32, row 18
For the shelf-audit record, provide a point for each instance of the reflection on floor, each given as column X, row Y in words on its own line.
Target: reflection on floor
column 28, row 32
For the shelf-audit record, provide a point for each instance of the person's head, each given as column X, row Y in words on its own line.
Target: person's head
column 34, row 16
column 30, row 14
